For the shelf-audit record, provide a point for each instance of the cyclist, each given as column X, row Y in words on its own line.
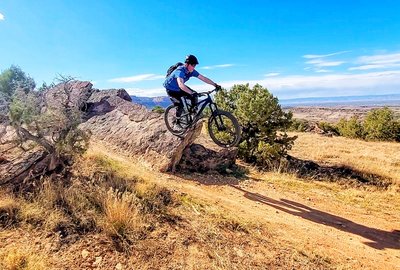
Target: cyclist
column 175, row 82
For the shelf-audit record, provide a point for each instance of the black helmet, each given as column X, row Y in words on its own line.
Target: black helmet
column 191, row 59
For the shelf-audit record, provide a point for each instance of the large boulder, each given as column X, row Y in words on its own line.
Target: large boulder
column 135, row 130
column 198, row 158
column 79, row 91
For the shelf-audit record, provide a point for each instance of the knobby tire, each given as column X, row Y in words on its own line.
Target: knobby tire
column 224, row 129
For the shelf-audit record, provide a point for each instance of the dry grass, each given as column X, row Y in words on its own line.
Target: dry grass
column 382, row 202
column 151, row 225
column 122, row 220
column 21, row 259
column 378, row 158
column 9, row 210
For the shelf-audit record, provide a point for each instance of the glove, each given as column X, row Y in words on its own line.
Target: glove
column 218, row 87
column 195, row 94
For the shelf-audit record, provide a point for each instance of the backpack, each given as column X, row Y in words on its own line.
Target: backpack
column 173, row 67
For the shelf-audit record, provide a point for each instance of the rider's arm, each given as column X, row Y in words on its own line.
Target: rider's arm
column 206, row 80
column 182, row 86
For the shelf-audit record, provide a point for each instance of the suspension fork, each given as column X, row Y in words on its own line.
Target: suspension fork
column 218, row 119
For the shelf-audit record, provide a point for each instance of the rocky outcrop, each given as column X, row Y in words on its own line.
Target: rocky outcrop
column 197, row 158
column 130, row 128
column 133, row 129
column 79, row 94
column 20, row 166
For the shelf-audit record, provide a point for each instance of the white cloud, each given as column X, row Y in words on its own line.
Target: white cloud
column 2, row 17
column 322, row 63
column 155, row 92
column 311, row 56
column 296, row 86
column 318, row 62
column 272, row 74
column 373, row 66
column 380, row 61
column 334, row 85
column 322, row 70
column 137, row 78
column 218, row 66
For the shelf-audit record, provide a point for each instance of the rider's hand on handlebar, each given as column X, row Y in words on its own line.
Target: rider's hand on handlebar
column 218, row 87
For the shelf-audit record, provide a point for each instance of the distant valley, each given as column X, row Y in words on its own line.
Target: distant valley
column 368, row 100
column 151, row 102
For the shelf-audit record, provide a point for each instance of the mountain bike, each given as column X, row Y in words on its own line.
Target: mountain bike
column 223, row 127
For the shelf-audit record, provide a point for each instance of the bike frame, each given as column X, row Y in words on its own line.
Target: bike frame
column 202, row 104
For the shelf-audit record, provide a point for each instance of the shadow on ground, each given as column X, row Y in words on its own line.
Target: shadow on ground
column 307, row 169
column 378, row 239
column 210, row 179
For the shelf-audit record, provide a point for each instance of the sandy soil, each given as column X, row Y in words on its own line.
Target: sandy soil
column 333, row 114
column 350, row 237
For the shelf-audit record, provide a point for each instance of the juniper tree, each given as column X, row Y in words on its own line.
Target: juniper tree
column 264, row 123
column 54, row 128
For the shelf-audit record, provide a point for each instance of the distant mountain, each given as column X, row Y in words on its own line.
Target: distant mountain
column 368, row 100
column 151, row 102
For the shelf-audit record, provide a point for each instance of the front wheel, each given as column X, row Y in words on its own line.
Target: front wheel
column 224, row 129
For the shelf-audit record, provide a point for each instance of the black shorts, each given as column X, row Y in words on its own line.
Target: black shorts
column 181, row 93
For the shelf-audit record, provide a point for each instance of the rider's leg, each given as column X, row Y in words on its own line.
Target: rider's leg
column 177, row 96
column 183, row 97
column 193, row 100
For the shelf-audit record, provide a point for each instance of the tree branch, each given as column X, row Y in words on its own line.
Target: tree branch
column 41, row 141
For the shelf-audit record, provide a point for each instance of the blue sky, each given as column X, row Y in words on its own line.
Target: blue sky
column 294, row 48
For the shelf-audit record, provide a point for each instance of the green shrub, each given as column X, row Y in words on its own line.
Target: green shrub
column 264, row 141
column 299, row 125
column 351, row 128
column 158, row 109
column 380, row 124
column 328, row 127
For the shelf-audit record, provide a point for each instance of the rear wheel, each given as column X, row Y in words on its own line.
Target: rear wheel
column 224, row 129
column 174, row 124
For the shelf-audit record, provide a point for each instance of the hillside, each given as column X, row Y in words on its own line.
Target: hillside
column 330, row 109
column 339, row 102
column 141, row 198
column 209, row 221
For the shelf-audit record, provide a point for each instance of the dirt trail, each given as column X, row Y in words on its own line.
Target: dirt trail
column 352, row 238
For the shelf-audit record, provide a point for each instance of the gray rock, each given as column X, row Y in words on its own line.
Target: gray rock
column 197, row 158
column 133, row 129
column 80, row 93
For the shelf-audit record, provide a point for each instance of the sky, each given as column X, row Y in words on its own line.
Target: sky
column 296, row 49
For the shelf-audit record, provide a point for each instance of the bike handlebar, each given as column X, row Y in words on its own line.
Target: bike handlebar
column 208, row 92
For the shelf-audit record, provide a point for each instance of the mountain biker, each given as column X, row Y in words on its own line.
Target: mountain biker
column 175, row 82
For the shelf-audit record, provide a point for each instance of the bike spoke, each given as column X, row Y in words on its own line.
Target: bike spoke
column 224, row 130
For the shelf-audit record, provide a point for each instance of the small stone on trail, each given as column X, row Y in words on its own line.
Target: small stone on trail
column 85, row 253
column 98, row 261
